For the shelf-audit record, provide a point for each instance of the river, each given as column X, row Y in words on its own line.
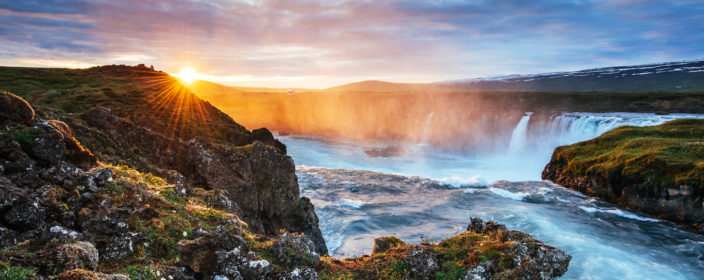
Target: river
column 362, row 190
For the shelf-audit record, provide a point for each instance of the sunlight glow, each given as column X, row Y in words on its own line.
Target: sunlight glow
column 187, row 74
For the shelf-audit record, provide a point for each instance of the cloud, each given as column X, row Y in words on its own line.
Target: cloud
column 348, row 40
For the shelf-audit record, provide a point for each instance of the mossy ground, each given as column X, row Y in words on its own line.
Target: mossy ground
column 455, row 255
column 152, row 99
column 667, row 155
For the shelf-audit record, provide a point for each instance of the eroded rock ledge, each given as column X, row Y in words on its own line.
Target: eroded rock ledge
column 655, row 170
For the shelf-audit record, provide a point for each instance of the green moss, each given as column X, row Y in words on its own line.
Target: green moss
column 141, row 273
column 8, row 272
column 667, row 155
column 25, row 136
column 451, row 270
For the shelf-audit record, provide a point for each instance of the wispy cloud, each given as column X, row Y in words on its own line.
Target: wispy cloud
column 321, row 43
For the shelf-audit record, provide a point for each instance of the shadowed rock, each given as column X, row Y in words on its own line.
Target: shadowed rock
column 384, row 243
column 14, row 108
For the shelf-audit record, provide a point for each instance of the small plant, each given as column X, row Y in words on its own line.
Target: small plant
column 141, row 273
column 25, row 136
column 450, row 271
column 9, row 272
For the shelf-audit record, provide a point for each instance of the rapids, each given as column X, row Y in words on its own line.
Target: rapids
column 430, row 192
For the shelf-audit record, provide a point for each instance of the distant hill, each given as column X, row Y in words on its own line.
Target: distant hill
column 683, row 76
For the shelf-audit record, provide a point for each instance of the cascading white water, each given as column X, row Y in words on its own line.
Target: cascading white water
column 519, row 135
column 426, row 129
column 606, row 241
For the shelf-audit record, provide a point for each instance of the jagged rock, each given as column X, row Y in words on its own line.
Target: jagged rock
column 384, row 243
column 265, row 136
column 295, row 249
column 120, row 246
column 200, row 254
column 479, row 226
column 14, row 108
column 240, row 264
column 479, row 272
column 531, row 258
column 301, row 274
column 422, row 262
column 24, row 215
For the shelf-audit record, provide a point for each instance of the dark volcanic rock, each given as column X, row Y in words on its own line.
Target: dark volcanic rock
column 264, row 135
column 14, row 108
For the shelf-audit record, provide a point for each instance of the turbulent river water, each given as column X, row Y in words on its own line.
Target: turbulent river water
column 416, row 191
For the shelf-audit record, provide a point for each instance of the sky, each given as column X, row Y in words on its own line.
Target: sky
column 317, row 44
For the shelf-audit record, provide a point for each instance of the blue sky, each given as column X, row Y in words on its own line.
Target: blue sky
column 325, row 43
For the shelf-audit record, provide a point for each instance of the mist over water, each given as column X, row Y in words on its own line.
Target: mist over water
column 432, row 191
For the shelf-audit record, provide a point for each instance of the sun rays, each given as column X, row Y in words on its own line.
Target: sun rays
column 187, row 75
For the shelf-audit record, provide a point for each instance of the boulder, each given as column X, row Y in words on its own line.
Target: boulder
column 295, row 249
column 384, row 243
column 422, row 262
column 64, row 257
column 264, row 135
column 15, row 109
column 200, row 254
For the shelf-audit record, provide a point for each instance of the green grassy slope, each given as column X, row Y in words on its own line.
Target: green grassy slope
column 664, row 156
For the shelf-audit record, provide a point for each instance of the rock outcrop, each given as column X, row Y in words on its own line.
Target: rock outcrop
column 486, row 250
column 14, row 108
column 257, row 181
column 660, row 174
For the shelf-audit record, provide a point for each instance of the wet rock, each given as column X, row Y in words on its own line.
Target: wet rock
column 14, row 108
column 295, row 249
column 479, row 226
column 384, row 243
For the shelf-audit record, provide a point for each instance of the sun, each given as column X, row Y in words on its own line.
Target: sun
column 187, row 74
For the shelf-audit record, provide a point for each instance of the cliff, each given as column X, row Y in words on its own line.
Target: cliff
column 656, row 170
column 147, row 120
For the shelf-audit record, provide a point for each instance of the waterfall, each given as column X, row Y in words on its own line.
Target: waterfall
column 569, row 128
column 519, row 135
column 426, row 129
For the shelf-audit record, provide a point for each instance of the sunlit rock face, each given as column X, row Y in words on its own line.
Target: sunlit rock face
column 149, row 121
